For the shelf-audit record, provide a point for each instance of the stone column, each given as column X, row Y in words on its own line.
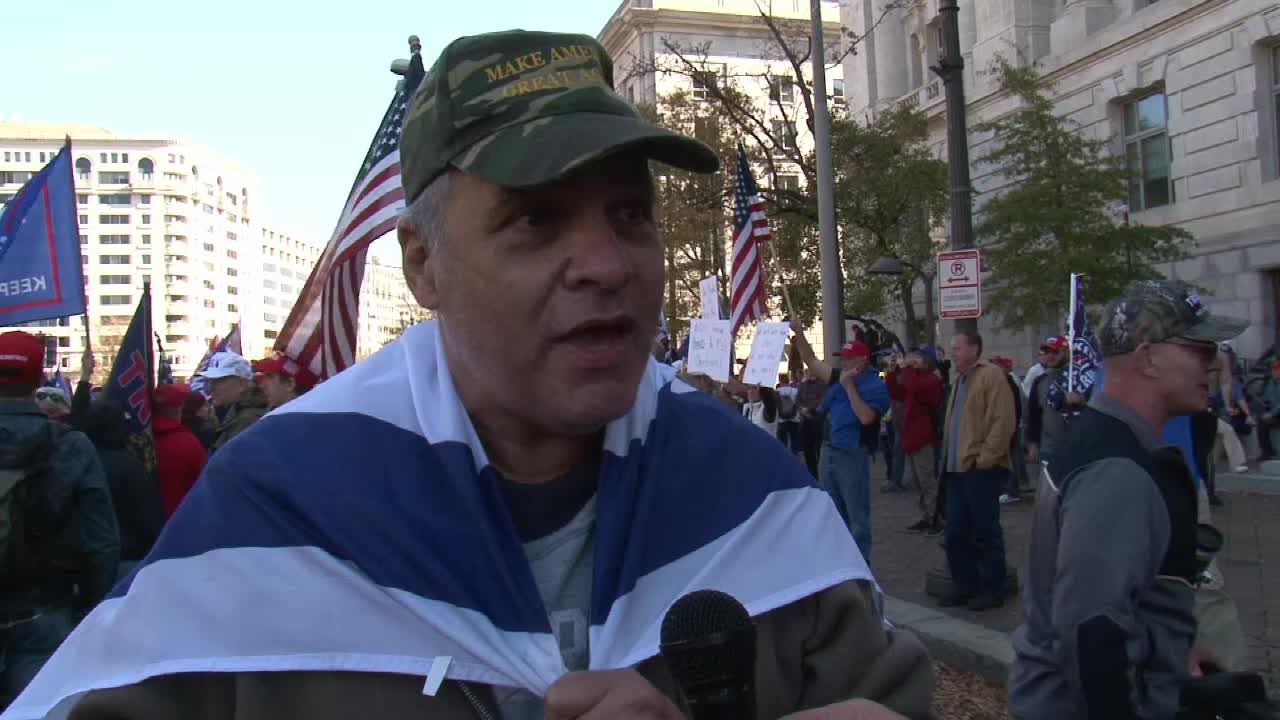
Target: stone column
column 890, row 54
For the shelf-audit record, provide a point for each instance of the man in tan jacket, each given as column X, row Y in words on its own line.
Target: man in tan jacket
column 507, row 500
column 980, row 422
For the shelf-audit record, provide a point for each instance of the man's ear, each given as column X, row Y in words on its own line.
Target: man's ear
column 419, row 265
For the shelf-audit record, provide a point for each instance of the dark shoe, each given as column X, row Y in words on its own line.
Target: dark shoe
column 985, row 601
column 922, row 526
column 955, row 600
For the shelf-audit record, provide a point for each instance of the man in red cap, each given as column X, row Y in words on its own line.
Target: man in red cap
column 282, row 379
column 56, row 507
column 856, row 399
column 180, row 456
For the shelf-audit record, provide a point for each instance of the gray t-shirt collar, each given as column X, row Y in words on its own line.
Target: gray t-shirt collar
column 1147, row 435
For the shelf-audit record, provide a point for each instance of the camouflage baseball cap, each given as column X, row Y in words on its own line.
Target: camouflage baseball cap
column 1154, row 311
column 522, row 108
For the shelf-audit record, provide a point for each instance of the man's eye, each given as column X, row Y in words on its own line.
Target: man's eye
column 631, row 214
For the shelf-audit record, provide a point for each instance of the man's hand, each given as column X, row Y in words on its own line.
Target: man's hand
column 1202, row 661
column 847, row 378
column 605, row 694
column 848, row 710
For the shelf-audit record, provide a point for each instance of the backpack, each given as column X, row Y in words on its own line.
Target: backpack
column 28, row 522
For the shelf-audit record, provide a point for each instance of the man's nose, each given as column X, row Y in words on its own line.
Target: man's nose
column 598, row 254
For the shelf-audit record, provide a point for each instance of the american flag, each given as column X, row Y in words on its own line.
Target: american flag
column 750, row 228
column 320, row 333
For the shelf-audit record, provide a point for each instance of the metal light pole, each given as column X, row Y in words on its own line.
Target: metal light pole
column 829, row 245
column 951, row 70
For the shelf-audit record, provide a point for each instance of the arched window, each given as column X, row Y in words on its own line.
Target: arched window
column 146, row 168
column 84, row 168
column 195, row 171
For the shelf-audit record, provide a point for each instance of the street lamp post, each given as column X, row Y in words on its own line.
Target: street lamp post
column 828, row 245
column 951, row 70
column 898, row 266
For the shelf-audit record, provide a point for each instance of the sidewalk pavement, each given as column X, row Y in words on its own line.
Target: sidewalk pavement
column 1250, row 519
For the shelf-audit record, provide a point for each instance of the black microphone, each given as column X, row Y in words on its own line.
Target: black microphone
column 709, row 642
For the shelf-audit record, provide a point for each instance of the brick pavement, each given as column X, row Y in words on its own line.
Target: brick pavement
column 1250, row 562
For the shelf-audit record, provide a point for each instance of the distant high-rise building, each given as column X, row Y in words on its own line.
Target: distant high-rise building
column 386, row 307
column 172, row 213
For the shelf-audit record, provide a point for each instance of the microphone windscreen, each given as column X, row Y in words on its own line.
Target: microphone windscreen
column 706, row 636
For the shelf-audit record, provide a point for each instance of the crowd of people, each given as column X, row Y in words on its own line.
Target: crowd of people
column 508, row 499
column 79, row 506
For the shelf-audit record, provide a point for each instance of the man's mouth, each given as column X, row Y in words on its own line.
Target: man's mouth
column 600, row 342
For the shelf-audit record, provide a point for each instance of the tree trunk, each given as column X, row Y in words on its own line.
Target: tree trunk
column 908, row 307
column 671, row 304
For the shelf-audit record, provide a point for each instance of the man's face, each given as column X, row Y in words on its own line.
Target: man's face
column 1184, row 371
column 226, row 391
column 277, row 388
column 963, row 355
column 548, row 297
column 856, row 364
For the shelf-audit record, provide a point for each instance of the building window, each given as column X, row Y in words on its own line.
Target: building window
column 782, row 89
column 146, row 239
column 116, row 300
column 232, row 307
column 785, row 133
column 146, row 259
column 113, row 259
column 102, row 157
column 837, row 91
column 116, row 200
column 208, row 285
column 146, row 219
column 231, row 290
column 270, row 334
column 1147, row 152
column 84, row 219
column 232, row 254
column 271, row 318
column 113, row 239
column 788, row 182
column 146, row 168
column 706, row 78
column 232, row 272
column 144, row 199
column 83, row 168
column 915, row 63
column 82, row 199
column 210, row 304
column 269, row 284
column 113, row 178
column 208, row 247
column 115, row 279
column 113, row 219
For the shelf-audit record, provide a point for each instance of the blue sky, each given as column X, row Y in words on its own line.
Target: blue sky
column 293, row 90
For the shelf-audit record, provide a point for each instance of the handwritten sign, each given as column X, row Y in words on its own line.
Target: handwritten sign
column 766, row 352
column 709, row 343
column 710, row 295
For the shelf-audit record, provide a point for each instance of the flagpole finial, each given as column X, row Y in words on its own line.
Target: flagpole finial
column 415, row 45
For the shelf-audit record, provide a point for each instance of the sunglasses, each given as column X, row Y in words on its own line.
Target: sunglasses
column 49, row 395
column 1205, row 352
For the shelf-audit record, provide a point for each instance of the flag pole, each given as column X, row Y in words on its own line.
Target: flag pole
column 1071, row 335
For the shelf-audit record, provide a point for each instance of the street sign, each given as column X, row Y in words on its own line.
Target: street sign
column 959, row 284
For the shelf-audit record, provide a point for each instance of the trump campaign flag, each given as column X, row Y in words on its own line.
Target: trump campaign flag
column 130, row 385
column 40, row 270
column 1086, row 359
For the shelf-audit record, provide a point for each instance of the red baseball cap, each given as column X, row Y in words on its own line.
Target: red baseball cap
column 1054, row 343
column 21, row 358
column 855, row 349
column 282, row 364
column 1004, row 362
column 172, row 395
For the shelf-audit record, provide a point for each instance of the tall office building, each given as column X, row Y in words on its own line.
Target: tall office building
column 176, row 215
column 386, row 307
column 1186, row 91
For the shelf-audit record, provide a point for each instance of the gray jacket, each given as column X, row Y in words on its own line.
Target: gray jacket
column 88, row 547
column 1045, row 426
column 1093, row 584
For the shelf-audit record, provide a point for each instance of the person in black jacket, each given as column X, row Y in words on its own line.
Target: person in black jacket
column 135, row 492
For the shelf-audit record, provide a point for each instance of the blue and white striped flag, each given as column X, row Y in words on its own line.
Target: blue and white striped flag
column 361, row 528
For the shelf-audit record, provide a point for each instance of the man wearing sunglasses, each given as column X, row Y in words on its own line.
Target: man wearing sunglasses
column 1108, row 624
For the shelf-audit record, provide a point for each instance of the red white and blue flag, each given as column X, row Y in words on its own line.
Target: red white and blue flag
column 320, row 333
column 40, row 265
column 230, row 343
column 750, row 228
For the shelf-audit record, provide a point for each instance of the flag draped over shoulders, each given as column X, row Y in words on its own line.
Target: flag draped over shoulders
column 361, row 528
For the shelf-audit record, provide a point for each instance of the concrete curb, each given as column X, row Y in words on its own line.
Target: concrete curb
column 1248, row 482
column 961, row 644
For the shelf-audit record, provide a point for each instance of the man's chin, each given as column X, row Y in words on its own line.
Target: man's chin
column 591, row 406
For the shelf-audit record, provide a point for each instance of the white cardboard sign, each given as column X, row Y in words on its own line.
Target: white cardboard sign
column 710, row 294
column 766, row 353
column 709, row 343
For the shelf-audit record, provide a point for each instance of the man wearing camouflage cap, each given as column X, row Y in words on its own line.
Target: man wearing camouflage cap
column 507, row 500
column 1108, row 624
